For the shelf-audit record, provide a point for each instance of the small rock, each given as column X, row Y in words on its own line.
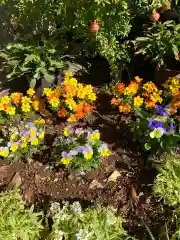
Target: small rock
column 113, row 177
column 29, row 196
column 95, row 184
column 3, row 172
column 16, row 181
column 37, row 179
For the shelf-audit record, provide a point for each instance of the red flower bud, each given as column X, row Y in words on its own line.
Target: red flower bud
column 94, row 27
column 155, row 16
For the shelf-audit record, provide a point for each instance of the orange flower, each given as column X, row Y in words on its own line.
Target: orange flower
column 87, row 108
column 35, row 105
column 79, row 115
column 62, row 113
column 115, row 101
column 145, row 94
column 150, row 87
column 120, row 86
column 125, row 108
column 79, row 107
column 132, row 88
column 150, row 104
column 138, row 79
column 16, row 97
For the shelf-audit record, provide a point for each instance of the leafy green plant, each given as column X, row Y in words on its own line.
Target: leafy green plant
column 167, row 188
column 17, row 222
column 99, row 223
column 79, row 148
column 159, row 42
column 167, row 184
column 32, row 62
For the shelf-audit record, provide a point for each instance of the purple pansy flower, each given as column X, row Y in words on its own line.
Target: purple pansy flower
column 152, row 124
column 162, row 110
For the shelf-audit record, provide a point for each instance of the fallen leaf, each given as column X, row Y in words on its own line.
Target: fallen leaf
column 113, row 177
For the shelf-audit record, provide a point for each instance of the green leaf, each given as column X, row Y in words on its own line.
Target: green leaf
column 49, row 78
column 147, row 146
column 33, row 83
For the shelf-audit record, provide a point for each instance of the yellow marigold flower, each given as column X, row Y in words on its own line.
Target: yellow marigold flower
column 125, row 108
column 132, row 88
column 35, row 105
column 25, row 107
column 150, row 87
column 138, row 79
column 47, row 92
column 26, row 100
column 138, row 102
column 1, row 106
column 34, row 141
column 175, row 81
column 156, row 98
column 71, row 81
column 5, row 100
column 88, row 89
column 57, row 91
column 54, row 101
column 70, row 103
column 92, row 97
column 10, row 110
column 30, row 92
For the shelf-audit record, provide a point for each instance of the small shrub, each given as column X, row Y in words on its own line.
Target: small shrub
column 21, row 141
column 99, row 223
column 70, row 100
column 17, row 222
column 31, row 62
column 161, row 40
column 154, row 112
column 80, row 148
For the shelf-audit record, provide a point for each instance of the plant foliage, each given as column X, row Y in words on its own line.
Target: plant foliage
column 17, row 222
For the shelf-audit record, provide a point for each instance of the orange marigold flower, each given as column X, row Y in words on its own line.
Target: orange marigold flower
column 132, row 88
column 150, row 87
column 35, row 105
column 150, row 104
column 62, row 113
column 79, row 115
column 87, row 108
column 115, row 101
column 79, row 107
column 120, row 86
column 16, row 97
column 125, row 108
column 138, row 79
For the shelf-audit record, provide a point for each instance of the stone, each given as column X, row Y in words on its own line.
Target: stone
column 3, row 172
column 113, row 177
column 29, row 196
column 95, row 184
column 16, row 181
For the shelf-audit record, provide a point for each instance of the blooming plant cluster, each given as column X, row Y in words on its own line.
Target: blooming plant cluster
column 22, row 140
column 71, row 100
column 15, row 105
column 156, row 111
column 157, row 130
column 80, row 148
column 71, row 222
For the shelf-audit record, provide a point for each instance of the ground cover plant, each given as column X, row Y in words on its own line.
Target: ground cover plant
column 18, row 222
column 71, row 222
column 167, row 187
